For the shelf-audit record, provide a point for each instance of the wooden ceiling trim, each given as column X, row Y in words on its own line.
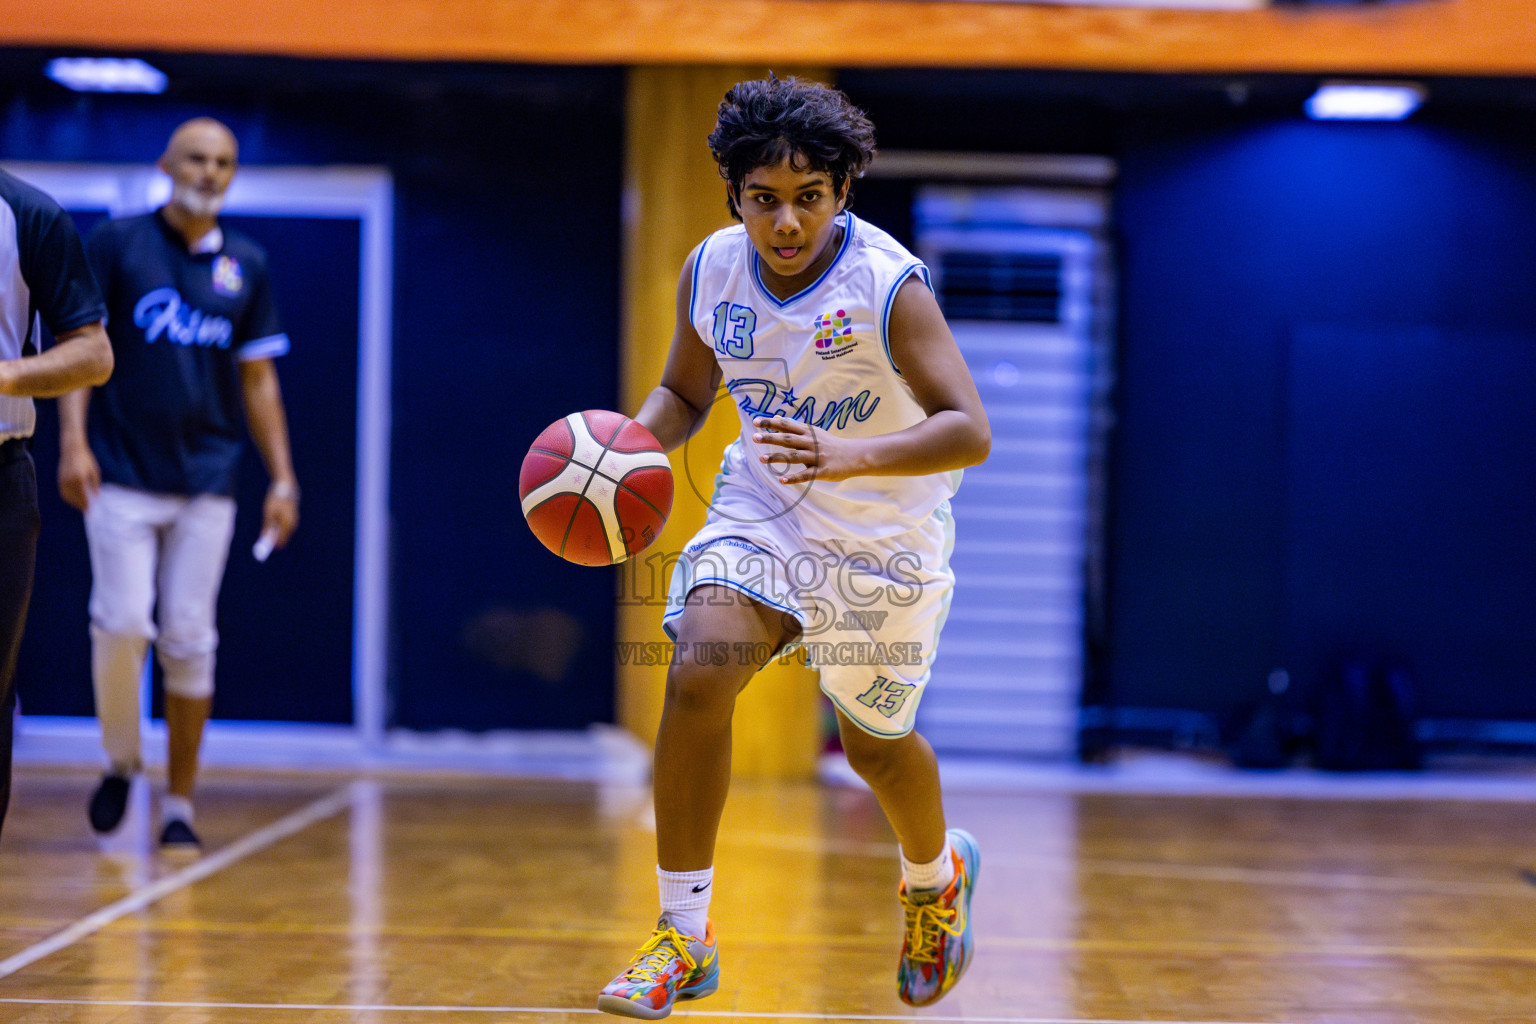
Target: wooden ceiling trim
column 1474, row 37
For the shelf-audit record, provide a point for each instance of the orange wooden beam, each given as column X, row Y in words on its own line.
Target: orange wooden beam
column 1476, row 37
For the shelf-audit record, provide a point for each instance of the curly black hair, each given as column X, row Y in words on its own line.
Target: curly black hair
column 762, row 122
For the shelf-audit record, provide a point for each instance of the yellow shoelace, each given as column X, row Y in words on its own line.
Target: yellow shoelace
column 651, row 959
column 924, row 922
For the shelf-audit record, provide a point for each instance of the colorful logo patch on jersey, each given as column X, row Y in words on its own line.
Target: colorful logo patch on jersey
column 227, row 279
column 834, row 334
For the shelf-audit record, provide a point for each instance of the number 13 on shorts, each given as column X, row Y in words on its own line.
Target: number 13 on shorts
column 886, row 696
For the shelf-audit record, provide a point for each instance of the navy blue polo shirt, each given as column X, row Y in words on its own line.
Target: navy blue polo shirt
column 43, row 275
column 171, row 419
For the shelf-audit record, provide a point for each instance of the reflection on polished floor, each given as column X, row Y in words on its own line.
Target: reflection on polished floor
column 399, row 899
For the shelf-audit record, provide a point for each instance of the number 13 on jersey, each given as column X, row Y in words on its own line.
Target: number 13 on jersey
column 733, row 330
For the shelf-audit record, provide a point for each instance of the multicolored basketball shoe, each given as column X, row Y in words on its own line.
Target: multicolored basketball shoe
column 937, row 947
column 670, row 966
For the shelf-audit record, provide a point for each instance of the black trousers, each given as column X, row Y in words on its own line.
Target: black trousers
column 19, row 522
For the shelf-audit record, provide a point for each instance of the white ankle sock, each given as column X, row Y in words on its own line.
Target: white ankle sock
column 685, row 898
column 176, row 808
column 934, row 875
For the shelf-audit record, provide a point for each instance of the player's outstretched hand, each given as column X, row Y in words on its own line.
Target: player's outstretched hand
column 798, row 453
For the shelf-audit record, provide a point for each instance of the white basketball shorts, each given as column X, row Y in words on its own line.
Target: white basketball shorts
column 870, row 610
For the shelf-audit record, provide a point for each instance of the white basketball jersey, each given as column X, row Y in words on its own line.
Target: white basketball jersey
column 820, row 356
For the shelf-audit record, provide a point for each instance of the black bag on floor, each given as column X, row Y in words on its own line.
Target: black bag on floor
column 1366, row 720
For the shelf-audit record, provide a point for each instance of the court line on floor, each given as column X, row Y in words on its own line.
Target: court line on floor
column 545, row 1011
column 216, row 861
column 749, row 940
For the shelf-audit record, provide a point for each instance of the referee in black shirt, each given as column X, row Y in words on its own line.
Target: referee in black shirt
column 43, row 278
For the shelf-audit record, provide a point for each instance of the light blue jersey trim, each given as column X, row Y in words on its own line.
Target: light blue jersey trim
column 718, row 581
column 757, row 277
column 263, row 348
column 944, row 513
column 890, row 300
column 693, row 289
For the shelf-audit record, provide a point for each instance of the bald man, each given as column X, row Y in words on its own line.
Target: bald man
column 151, row 457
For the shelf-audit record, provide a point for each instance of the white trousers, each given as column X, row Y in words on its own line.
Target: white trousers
column 157, row 561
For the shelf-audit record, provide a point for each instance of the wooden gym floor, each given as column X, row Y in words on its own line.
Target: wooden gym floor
column 400, row 899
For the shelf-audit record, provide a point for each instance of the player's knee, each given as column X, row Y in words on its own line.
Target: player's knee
column 187, row 625
column 185, row 673
column 701, row 689
column 873, row 758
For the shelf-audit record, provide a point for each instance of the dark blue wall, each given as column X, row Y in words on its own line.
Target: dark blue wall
column 1325, row 346
column 1326, row 343
column 506, row 281
column 1324, row 429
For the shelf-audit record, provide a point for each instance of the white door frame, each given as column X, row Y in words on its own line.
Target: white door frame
column 366, row 193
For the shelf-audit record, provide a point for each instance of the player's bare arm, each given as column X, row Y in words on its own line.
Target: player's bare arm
column 78, row 358
column 955, row 434
column 268, row 422
column 678, row 406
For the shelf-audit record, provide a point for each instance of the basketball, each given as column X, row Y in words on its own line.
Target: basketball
column 596, row 487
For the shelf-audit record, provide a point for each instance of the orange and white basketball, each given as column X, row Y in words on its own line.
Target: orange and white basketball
column 596, row 487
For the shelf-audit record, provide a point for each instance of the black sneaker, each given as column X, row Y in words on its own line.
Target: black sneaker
column 109, row 802
column 177, row 835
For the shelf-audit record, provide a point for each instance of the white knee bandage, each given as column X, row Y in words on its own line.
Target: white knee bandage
column 186, row 673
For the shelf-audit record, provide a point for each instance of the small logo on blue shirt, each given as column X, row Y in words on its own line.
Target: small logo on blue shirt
column 227, row 279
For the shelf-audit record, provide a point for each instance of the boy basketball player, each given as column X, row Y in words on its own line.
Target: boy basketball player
column 857, row 415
